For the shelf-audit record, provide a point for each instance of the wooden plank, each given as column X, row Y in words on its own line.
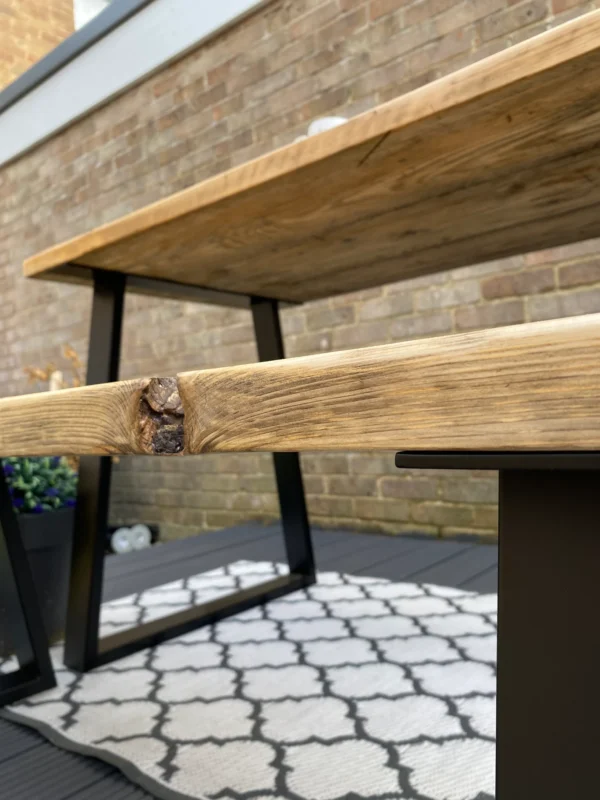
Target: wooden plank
column 62, row 773
column 498, row 158
column 534, row 386
column 15, row 740
column 526, row 387
column 101, row 419
column 400, row 566
column 142, row 416
column 485, row 583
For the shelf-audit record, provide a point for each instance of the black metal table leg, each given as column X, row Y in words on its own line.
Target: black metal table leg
column 84, row 650
column 548, row 629
column 292, row 501
column 21, row 612
column 91, row 513
column 548, row 634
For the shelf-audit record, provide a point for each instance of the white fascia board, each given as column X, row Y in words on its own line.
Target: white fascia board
column 156, row 35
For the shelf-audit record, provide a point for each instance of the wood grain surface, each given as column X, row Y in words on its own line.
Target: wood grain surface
column 526, row 387
column 102, row 419
column 534, row 386
column 496, row 159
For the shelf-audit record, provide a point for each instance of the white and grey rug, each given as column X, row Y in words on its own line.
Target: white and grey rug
column 356, row 688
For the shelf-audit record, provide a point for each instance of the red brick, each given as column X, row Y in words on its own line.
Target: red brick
column 365, row 333
column 485, row 517
column 559, row 6
column 379, row 8
column 325, row 505
column 385, row 510
column 430, row 324
column 328, row 464
column 579, row 274
column 490, row 315
column 454, row 294
column 504, row 22
column 29, row 31
column 352, row 485
column 166, row 84
column 394, row 305
column 409, row 488
column 319, row 319
column 518, row 283
column 554, row 306
column 437, row 513
column 426, row 10
column 309, row 23
column 341, row 28
column 465, row 490
column 222, row 72
column 591, row 247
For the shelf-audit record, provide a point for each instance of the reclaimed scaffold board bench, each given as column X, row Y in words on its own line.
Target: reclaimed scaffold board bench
column 499, row 158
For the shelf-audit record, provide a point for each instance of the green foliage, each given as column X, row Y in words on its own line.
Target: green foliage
column 40, row 484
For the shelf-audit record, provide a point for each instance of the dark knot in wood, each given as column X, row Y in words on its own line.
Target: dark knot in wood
column 161, row 417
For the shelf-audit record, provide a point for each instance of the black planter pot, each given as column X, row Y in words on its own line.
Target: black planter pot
column 47, row 539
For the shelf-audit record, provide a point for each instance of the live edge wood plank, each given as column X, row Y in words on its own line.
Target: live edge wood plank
column 128, row 417
column 499, row 158
column 534, row 386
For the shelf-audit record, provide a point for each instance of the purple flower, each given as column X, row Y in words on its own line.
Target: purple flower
column 37, row 509
column 55, row 461
column 52, row 492
column 70, row 503
column 9, row 469
column 18, row 502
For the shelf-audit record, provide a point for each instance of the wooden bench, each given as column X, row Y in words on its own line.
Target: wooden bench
column 532, row 387
column 496, row 159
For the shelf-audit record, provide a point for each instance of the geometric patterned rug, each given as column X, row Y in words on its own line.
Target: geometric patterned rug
column 355, row 688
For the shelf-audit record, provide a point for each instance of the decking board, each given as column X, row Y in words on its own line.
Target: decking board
column 31, row 767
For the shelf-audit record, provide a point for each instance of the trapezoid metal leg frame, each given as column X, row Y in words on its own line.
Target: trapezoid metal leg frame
column 91, row 513
column 21, row 612
column 288, row 474
column 548, row 634
column 84, row 650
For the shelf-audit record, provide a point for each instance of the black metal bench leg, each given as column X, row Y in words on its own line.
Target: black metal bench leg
column 292, row 501
column 549, row 634
column 91, row 513
column 21, row 612
column 83, row 648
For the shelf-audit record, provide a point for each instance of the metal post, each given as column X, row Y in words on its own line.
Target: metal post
column 548, row 634
column 83, row 649
column 91, row 514
column 21, row 612
column 294, row 516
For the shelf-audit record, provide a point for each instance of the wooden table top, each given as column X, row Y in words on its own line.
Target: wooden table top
column 497, row 159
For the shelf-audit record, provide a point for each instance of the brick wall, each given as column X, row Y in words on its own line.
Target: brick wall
column 28, row 30
column 254, row 88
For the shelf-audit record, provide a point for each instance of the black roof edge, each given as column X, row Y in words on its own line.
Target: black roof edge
column 107, row 20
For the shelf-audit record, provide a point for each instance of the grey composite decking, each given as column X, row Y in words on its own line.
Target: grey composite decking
column 33, row 769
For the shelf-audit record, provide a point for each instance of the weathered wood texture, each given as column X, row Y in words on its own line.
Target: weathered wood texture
column 103, row 419
column 522, row 387
column 534, row 386
column 495, row 159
